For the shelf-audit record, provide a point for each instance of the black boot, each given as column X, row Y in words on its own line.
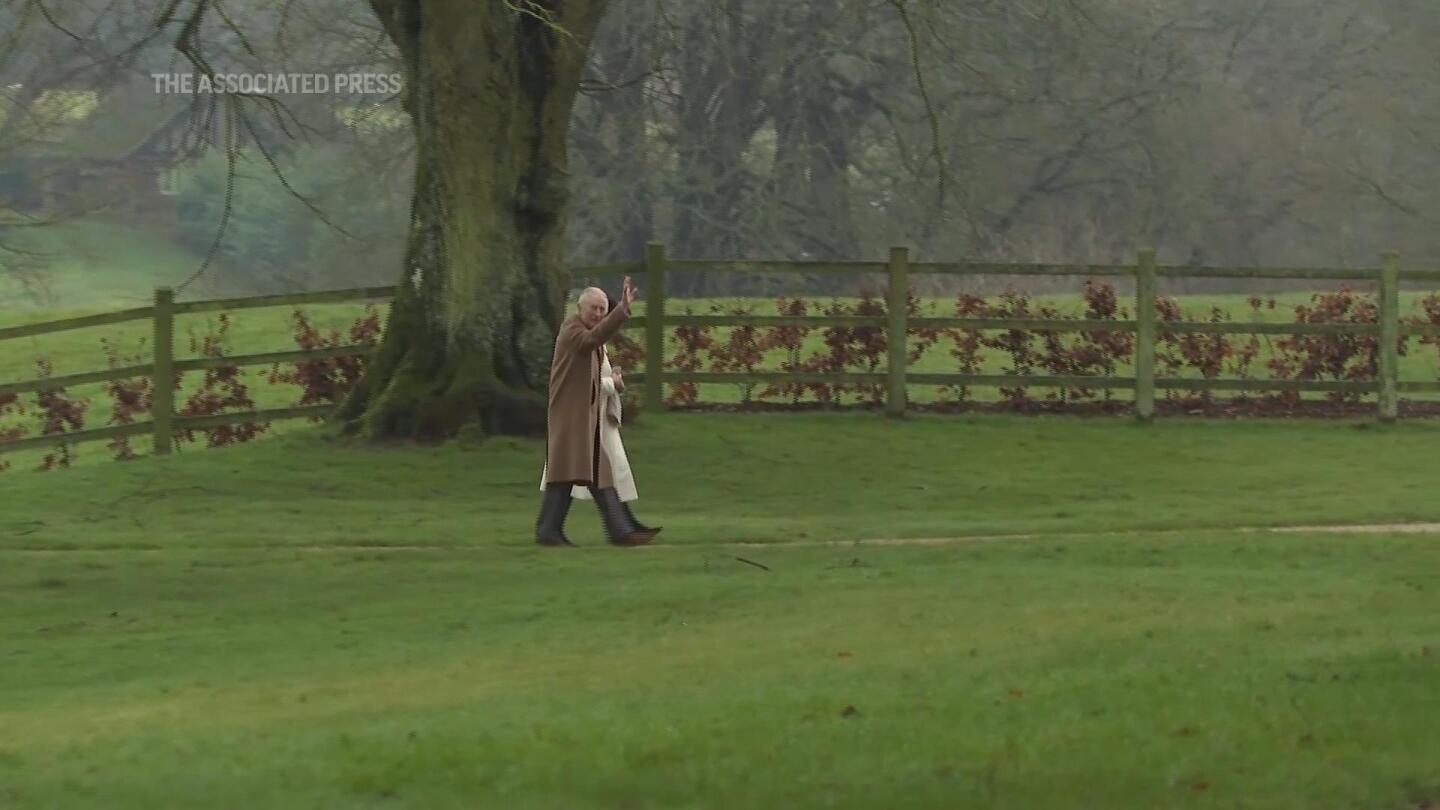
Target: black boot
column 635, row 525
column 612, row 514
column 550, row 527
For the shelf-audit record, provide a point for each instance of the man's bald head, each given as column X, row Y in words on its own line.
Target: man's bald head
column 591, row 306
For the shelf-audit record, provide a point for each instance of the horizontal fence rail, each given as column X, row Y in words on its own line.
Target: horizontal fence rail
column 1029, row 380
column 269, row 358
column 67, row 380
column 325, row 297
column 996, row 269
column 165, row 423
column 1039, row 324
column 67, row 324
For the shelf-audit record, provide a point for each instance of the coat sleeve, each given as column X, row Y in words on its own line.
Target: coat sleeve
column 576, row 338
column 612, row 396
column 607, row 379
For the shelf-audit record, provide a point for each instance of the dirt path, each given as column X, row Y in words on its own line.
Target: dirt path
column 1371, row 528
column 1366, row 528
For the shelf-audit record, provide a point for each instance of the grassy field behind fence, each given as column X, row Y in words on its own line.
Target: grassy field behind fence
column 306, row 623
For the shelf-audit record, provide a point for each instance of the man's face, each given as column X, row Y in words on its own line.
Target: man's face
column 592, row 310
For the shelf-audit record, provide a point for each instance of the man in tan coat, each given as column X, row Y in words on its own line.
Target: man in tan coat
column 573, row 453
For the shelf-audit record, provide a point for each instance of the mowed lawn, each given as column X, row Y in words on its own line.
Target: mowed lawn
column 302, row 622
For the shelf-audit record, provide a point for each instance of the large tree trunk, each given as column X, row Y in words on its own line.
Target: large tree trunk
column 489, row 90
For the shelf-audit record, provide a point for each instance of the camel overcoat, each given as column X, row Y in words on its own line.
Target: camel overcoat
column 572, row 445
column 610, row 441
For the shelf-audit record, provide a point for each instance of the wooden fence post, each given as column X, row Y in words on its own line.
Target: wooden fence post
column 1389, row 335
column 897, row 335
column 162, row 373
column 654, row 325
column 1145, row 335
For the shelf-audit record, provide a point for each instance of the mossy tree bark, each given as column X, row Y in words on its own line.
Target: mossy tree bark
column 489, row 89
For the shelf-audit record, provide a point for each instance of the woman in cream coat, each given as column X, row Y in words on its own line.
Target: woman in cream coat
column 611, row 385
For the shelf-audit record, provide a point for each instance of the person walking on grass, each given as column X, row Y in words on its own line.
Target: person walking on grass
column 576, row 452
column 612, row 385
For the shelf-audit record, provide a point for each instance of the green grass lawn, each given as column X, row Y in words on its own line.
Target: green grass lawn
column 80, row 267
column 756, row 477
column 304, row 622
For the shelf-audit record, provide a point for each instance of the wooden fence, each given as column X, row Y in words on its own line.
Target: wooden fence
column 1145, row 272
column 164, row 422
